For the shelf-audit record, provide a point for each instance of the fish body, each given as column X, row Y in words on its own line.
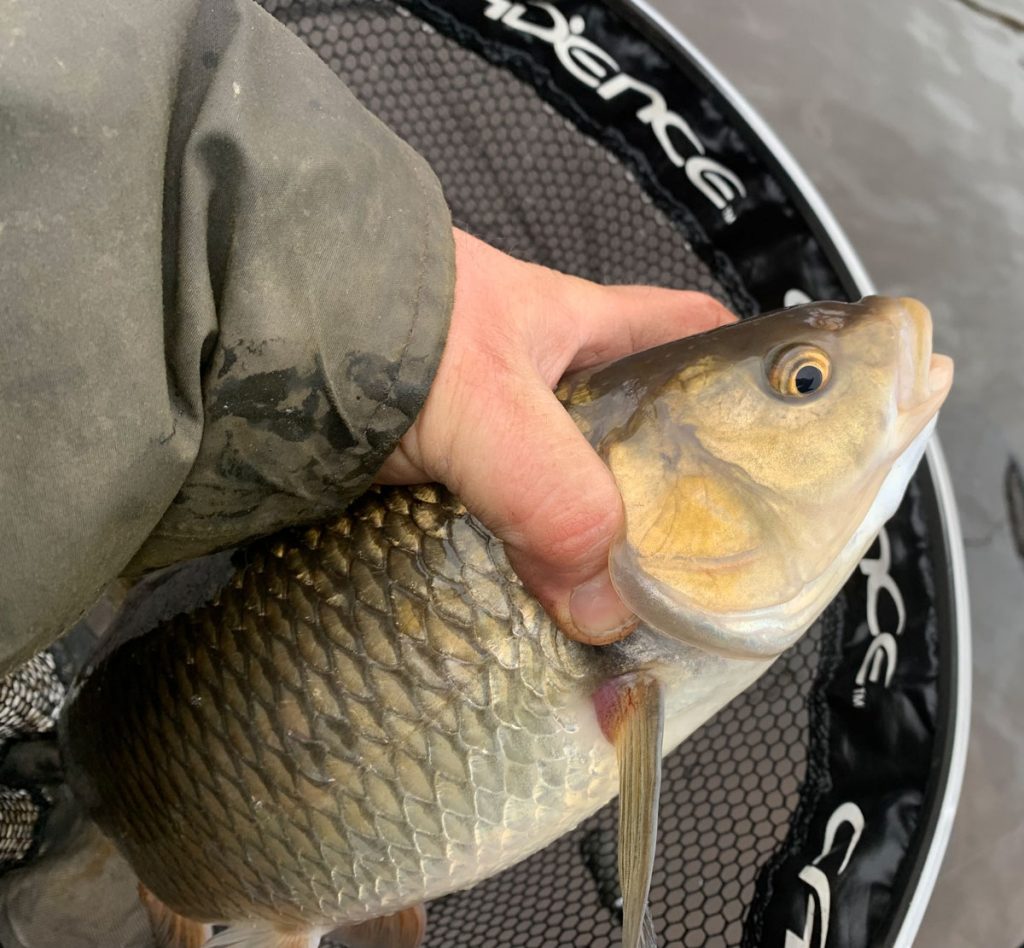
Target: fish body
column 348, row 755
column 375, row 712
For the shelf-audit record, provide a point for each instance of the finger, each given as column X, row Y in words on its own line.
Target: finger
column 625, row 319
column 555, row 506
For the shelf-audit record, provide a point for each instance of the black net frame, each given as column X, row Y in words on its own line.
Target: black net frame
column 537, row 164
column 762, row 238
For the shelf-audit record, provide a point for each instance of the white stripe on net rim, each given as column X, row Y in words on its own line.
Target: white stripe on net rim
column 936, row 465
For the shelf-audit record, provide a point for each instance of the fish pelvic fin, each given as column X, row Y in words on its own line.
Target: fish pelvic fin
column 171, row 930
column 404, row 929
column 631, row 711
column 264, row 935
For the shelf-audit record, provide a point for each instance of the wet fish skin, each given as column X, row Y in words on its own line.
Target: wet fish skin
column 384, row 678
column 375, row 712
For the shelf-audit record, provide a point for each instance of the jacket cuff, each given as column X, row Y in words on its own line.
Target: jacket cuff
column 320, row 247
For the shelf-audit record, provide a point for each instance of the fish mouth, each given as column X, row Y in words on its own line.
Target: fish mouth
column 925, row 377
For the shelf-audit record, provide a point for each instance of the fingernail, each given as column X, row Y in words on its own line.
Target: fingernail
column 598, row 612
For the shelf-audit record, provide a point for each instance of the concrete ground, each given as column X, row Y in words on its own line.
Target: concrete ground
column 909, row 118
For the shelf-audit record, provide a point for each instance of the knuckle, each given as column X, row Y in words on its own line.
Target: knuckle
column 712, row 308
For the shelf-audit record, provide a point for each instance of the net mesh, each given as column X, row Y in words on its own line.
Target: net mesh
column 726, row 800
column 522, row 177
column 525, row 179
column 514, row 171
column 19, row 815
column 30, row 698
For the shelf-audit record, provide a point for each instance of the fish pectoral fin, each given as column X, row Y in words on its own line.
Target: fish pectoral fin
column 631, row 711
column 171, row 930
column 264, row 935
column 404, row 929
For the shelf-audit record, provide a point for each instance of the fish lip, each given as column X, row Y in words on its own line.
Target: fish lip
column 924, row 377
column 914, row 326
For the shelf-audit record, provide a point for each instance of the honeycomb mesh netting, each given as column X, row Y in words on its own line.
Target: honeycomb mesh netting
column 30, row 698
column 524, row 178
column 514, row 171
column 726, row 800
column 19, row 816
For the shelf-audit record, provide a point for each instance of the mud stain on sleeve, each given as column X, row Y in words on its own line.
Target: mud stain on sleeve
column 1014, row 485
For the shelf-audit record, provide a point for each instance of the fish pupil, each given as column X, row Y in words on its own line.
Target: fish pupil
column 808, row 379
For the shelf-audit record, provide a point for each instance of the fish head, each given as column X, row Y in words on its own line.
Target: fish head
column 758, row 462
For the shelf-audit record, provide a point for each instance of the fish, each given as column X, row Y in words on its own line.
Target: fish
column 374, row 712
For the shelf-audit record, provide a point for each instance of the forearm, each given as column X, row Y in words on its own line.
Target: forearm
column 226, row 288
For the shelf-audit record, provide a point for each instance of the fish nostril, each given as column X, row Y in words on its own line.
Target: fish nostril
column 905, row 356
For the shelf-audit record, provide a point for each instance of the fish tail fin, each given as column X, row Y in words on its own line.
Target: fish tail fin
column 264, row 935
column 632, row 715
column 404, row 929
column 171, row 930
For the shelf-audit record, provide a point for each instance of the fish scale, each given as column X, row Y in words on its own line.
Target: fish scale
column 370, row 713
column 375, row 712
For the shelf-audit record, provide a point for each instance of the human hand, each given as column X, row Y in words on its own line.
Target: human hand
column 493, row 432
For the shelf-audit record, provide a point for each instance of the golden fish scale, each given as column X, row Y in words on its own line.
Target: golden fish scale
column 371, row 713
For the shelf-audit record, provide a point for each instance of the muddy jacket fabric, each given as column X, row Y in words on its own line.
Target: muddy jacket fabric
column 224, row 290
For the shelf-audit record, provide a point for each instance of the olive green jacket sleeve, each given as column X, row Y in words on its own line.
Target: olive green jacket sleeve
column 224, row 290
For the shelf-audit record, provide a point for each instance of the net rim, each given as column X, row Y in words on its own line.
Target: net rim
column 924, row 873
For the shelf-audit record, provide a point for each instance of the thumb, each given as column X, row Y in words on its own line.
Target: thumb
column 556, row 508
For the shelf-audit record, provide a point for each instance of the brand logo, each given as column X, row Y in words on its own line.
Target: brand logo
column 819, row 898
column 588, row 63
column 879, row 662
column 795, row 297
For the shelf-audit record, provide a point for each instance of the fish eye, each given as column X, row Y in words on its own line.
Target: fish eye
column 798, row 371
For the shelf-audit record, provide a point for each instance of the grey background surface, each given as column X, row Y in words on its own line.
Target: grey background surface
column 909, row 118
